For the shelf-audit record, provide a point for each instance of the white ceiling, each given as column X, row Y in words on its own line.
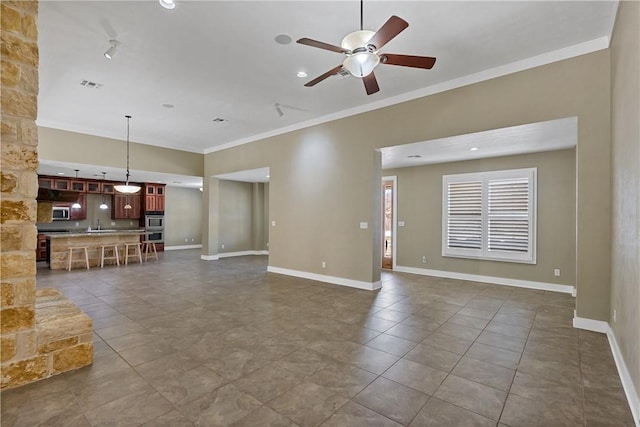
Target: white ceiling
column 219, row 59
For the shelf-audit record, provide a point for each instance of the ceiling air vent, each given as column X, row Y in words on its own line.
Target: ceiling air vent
column 90, row 85
column 342, row 74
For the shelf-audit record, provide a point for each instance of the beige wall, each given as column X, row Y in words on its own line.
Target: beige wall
column 419, row 205
column 183, row 216
column 64, row 146
column 322, row 177
column 625, row 194
column 236, row 213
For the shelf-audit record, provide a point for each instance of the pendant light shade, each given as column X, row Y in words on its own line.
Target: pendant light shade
column 103, row 205
column 76, row 205
column 127, row 188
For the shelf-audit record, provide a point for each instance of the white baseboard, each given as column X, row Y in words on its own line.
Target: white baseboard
column 179, row 248
column 241, row 253
column 328, row 279
column 488, row 279
column 209, row 257
column 590, row 324
column 625, row 377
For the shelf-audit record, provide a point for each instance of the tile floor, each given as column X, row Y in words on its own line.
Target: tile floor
column 183, row 342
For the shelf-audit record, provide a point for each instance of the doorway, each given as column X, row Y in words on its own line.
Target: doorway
column 388, row 222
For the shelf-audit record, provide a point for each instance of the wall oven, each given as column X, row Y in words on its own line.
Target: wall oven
column 155, row 236
column 154, row 222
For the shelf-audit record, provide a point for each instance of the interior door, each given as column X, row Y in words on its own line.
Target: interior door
column 387, row 224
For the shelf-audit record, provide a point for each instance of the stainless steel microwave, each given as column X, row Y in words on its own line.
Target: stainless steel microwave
column 60, row 213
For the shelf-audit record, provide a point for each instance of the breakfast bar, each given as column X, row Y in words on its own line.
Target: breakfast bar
column 58, row 245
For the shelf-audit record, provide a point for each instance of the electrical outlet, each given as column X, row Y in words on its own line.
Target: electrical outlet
column 324, row 264
column 77, row 224
column 273, row 223
column 113, row 223
column 186, row 240
column 193, row 239
column 556, row 272
column 222, row 246
column 424, row 259
column 130, row 222
column 400, row 223
column 614, row 315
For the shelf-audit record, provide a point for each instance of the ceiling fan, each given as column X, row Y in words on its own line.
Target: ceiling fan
column 361, row 49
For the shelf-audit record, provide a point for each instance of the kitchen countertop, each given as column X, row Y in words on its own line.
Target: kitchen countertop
column 86, row 233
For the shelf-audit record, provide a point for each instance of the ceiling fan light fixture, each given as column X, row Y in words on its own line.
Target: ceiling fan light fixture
column 167, row 4
column 356, row 39
column 361, row 64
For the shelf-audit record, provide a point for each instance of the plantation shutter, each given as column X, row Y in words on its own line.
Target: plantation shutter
column 490, row 215
column 508, row 215
column 464, row 225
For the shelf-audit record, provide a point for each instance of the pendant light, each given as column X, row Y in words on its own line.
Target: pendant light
column 76, row 205
column 103, row 205
column 127, row 188
column 127, row 205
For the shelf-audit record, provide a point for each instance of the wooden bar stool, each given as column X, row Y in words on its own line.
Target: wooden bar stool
column 137, row 252
column 149, row 249
column 113, row 256
column 86, row 255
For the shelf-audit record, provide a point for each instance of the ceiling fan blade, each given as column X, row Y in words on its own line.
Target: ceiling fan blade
column 329, row 73
column 370, row 83
column 321, row 45
column 408, row 60
column 388, row 31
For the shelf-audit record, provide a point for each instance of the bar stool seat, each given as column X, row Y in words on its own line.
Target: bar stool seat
column 86, row 255
column 114, row 254
column 137, row 252
column 149, row 249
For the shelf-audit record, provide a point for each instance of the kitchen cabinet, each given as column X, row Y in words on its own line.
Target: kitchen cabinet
column 61, row 184
column 41, row 249
column 154, row 197
column 119, row 212
column 46, row 182
column 79, row 185
column 94, row 187
column 81, row 212
column 107, row 188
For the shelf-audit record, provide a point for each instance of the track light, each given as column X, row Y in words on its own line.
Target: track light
column 112, row 49
column 167, row 4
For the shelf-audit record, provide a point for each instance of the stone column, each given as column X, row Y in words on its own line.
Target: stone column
column 21, row 362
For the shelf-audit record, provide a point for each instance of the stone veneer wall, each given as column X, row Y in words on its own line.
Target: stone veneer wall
column 19, row 48
column 23, row 359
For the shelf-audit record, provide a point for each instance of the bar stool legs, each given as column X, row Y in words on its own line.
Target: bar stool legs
column 137, row 252
column 149, row 249
column 86, row 256
column 114, row 254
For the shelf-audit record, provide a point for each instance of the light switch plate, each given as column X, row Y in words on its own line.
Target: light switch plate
column 273, row 223
column 364, row 225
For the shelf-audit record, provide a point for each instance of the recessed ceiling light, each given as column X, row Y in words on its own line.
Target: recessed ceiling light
column 473, row 149
column 167, row 4
column 168, row 105
column 60, row 173
column 301, row 74
column 282, row 39
column 414, row 156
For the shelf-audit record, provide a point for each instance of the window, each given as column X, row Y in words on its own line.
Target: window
column 490, row 215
